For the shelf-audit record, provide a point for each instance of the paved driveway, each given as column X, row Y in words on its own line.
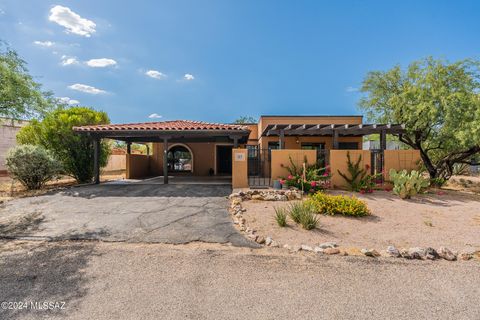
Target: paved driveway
column 139, row 212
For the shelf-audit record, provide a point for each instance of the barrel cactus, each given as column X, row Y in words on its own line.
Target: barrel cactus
column 406, row 184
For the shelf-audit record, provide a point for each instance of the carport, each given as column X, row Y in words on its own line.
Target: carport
column 166, row 132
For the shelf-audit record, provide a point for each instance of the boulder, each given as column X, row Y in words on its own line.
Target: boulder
column 268, row 241
column 326, row 245
column 447, row 254
column 260, row 240
column 393, row 252
column 370, row 253
column 331, row 251
column 431, row 254
column 417, row 253
column 318, row 250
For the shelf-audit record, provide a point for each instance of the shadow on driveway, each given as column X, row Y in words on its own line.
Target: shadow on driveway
column 46, row 273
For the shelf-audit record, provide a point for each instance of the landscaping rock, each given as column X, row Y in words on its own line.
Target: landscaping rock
column 446, row 254
column 370, row 253
column 431, row 254
column 252, row 237
column 417, row 253
column 296, row 248
column 326, row 245
column 405, row 254
column 268, row 241
column 287, row 246
column 257, row 197
column 393, row 252
column 351, row 251
column 306, row 248
column 260, row 240
column 318, row 250
column 274, row 244
column 331, row 251
column 466, row 254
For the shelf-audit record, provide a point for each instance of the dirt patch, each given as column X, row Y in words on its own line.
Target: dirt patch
column 449, row 218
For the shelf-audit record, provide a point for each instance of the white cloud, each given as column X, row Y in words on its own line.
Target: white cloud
column 154, row 116
column 67, row 61
column 188, row 76
column 72, row 22
column 351, row 89
column 44, row 43
column 86, row 88
column 68, row 100
column 101, row 63
column 155, row 74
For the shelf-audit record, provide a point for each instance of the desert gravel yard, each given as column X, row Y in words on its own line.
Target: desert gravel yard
column 136, row 212
column 450, row 219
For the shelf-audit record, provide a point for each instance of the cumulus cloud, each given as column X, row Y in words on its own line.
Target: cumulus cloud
column 86, row 88
column 154, row 116
column 71, row 21
column 101, row 63
column 188, row 76
column 67, row 61
column 44, row 43
column 68, row 100
column 155, row 74
column 351, row 89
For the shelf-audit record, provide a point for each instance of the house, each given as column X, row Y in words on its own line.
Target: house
column 194, row 148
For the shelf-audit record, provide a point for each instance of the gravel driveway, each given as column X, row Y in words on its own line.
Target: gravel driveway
column 138, row 212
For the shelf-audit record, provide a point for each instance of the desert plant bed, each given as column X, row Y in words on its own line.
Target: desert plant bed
column 434, row 219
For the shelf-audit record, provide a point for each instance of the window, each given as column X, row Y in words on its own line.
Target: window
column 348, row 145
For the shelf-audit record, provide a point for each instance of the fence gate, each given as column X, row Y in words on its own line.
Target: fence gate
column 258, row 167
column 377, row 164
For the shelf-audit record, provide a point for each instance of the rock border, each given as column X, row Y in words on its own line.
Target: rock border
column 332, row 248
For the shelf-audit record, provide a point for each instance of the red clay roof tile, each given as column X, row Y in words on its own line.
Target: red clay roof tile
column 176, row 125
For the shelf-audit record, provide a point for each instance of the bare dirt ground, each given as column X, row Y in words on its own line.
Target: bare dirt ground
column 446, row 218
column 465, row 183
column 210, row 281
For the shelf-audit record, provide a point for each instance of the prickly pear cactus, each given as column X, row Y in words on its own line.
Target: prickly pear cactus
column 406, row 185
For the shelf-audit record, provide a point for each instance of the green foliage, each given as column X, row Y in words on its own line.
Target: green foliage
column 245, row 120
column 303, row 213
column 356, row 174
column 281, row 216
column 54, row 132
column 20, row 95
column 315, row 179
column 295, row 211
column 338, row 204
column 32, row 165
column 438, row 182
column 406, row 184
column 438, row 102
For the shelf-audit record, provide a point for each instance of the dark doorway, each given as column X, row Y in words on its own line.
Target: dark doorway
column 224, row 160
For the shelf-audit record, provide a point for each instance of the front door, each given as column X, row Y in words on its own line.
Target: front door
column 224, row 160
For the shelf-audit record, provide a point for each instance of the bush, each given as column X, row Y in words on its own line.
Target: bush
column 312, row 180
column 339, row 204
column 32, row 165
column 281, row 217
column 406, row 185
column 75, row 152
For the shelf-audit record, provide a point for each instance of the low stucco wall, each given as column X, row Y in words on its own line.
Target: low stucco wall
column 338, row 162
column 138, row 166
column 401, row 159
column 281, row 159
column 239, row 168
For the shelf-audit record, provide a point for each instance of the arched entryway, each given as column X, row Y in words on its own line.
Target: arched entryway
column 180, row 159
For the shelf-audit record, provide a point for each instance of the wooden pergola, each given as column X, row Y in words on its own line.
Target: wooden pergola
column 333, row 130
column 193, row 132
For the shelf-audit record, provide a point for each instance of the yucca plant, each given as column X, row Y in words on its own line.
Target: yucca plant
column 308, row 218
column 295, row 211
column 281, row 216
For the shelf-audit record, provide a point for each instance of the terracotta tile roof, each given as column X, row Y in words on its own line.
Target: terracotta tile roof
column 176, row 125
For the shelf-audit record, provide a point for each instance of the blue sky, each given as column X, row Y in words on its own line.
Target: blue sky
column 218, row 60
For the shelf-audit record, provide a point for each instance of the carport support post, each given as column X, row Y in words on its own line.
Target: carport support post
column 281, row 142
column 335, row 139
column 383, row 140
column 96, row 160
column 165, row 161
column 129, row 147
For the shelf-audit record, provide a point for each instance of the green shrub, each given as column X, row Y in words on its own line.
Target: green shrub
column 308, row 217
column 406, row 185
column 281, row 217
column 338, row 204
column 33, row 166
column 295, row 211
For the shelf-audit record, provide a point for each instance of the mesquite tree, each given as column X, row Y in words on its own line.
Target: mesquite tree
column 438, row 101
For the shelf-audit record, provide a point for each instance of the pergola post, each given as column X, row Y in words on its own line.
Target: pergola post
column 281, row 139
column 383, row 140
column 96, row 160
column 165, row 160
column 129, row 147
column 335, row 139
